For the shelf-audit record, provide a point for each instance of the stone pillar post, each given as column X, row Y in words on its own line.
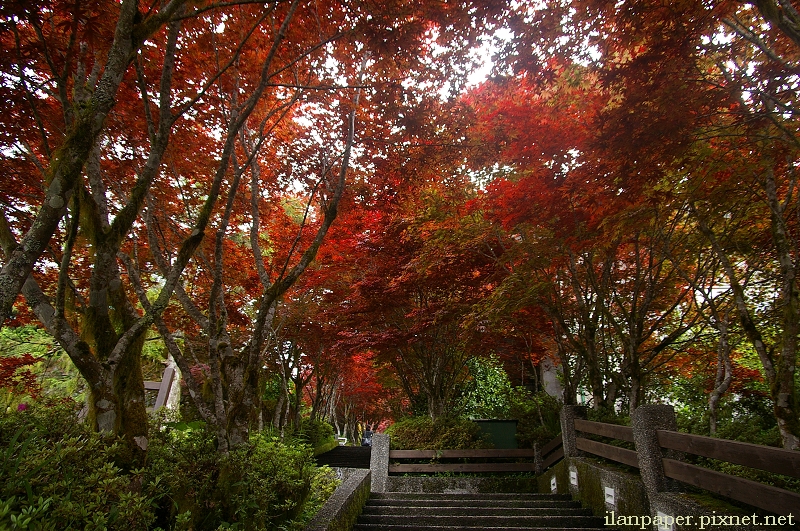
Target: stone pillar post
column 568, row 435
column 379, row 462
column 538, row 463
column 645, row 420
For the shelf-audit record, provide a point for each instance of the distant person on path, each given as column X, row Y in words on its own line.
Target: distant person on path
column 367, row 439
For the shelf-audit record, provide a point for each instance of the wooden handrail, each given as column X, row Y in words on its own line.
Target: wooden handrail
column 163, row 387
column 751, row 492
column 553, row 458
column 614, row 431
column 776, row 460
column 431, row 468
column 458, row 454
column 614, row 453
column 471, row 467
column 556, row 442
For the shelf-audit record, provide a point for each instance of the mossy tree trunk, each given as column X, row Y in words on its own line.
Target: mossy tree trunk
column 779, row 360
column 94, row 96
column 94, row 321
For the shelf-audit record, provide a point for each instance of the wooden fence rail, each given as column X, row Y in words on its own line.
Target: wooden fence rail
column 612, row 431
column 471, row 467
column 753, row 493
column 493, row 460
column 769, row 498
column 552, row 453
column 163, row 387
column 775, row 460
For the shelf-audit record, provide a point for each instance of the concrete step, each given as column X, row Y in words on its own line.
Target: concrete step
column 433, row 510
column 460, row 502
column 394, row 527
column 532, row 496
column 477, row 520
column 396, row 511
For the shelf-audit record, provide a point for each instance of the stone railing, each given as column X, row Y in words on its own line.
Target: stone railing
column 341, row 510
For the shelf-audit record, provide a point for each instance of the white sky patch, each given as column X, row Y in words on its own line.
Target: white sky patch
column 484, row 56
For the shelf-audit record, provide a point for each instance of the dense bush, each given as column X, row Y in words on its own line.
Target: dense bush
column 315, row 432
column 264, row 485
column 487, row 393
column 537, row 415
column 422, row 433
column 57, row 475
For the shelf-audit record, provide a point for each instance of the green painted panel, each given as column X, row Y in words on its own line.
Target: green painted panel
column 503, row 433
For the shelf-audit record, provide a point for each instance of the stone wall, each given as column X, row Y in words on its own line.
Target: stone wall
column 341, row 510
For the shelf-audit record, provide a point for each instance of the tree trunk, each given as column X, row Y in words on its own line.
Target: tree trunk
column 784, row 393
column 724, row 374
column 779, row 373
column 595, row 380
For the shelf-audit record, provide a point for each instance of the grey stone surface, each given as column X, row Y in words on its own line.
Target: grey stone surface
column 695, row 515
column 460, row 485
column 345, row 504
column 379, row 461
column 645, row 420
column 551, row 380
column 633, row 509
column 568, row 435
column 473, row 512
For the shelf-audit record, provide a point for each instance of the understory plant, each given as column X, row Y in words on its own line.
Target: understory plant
column 422, row 433
column 55, row 474
column 538, row 416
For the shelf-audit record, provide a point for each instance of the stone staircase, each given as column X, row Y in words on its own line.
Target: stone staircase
column 394, row 511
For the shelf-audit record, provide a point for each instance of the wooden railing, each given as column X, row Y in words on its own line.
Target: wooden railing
column 551, row 453
column 775, row 460
column 612, row 431
column 163, row 387
column 477, row 461
column 472, row 466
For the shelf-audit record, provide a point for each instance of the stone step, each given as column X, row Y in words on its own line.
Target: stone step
column 396, row 511
column 461, row 502
column 475, row 520
column 395, row 527
column 469, row 496
column 436, row 510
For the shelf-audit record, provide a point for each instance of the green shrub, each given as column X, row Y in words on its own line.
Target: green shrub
column 487, row 393
column 609, row 416
column 57, row 475
column 422, row 433
column 315, row 432
column 537, row 416
column 183, row 460
column 323, row 484
column 265, row 484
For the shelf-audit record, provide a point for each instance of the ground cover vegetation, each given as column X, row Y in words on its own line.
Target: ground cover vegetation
column 314, row 212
